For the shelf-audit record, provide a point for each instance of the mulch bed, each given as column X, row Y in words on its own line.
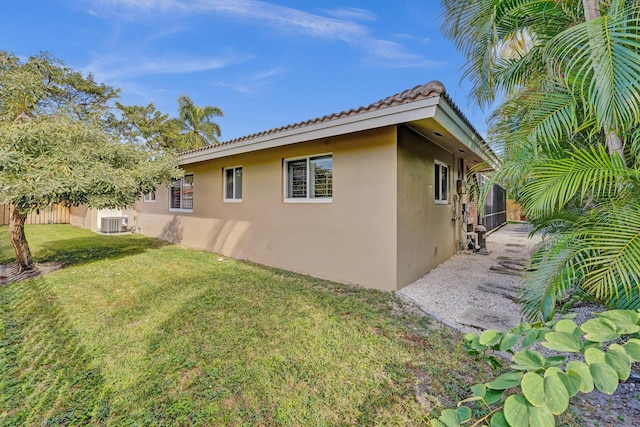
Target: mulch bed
column 9, row 272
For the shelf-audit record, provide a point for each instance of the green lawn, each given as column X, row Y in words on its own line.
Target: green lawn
column 136, row 332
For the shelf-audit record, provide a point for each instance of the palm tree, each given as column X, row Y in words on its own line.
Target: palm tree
column 588, row 201
column 569, row 133
column 196, row 123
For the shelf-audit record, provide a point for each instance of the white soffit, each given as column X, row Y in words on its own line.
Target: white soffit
column 450, row 120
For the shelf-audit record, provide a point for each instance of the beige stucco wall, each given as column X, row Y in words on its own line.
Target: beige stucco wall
column 383, row 229
column 426, row 230
column 352, row 239
column 81, row 216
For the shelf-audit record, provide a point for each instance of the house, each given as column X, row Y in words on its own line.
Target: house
column 373, row 196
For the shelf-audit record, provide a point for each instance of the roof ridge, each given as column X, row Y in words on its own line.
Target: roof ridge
column 428, row 90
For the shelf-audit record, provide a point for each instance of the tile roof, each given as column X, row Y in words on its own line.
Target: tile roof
column 428, row 90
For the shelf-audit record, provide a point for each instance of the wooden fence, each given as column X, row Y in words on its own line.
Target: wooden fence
column 514, row 211
column 53, row 214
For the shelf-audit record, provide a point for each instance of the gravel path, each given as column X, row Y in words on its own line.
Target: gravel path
column 470, row 283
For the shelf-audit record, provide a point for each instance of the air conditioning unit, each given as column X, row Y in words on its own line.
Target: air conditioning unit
column 111, row 224
column 472, row 241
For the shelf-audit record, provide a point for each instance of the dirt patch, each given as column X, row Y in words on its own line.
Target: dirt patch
column 621, row 409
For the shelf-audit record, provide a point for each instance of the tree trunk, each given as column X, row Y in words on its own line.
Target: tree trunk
column 591, row 9
column 614, row 142
column 615, row 145
column 19, row 240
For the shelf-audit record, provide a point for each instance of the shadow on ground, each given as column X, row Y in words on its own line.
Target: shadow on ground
column 70, row 245
column 48, row 377
column 81, row 250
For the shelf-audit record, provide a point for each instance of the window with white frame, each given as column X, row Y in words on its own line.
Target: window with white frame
column 181, row 194
column 149, row 197
column 309, row 179
column 233, row 184
column 441, row 182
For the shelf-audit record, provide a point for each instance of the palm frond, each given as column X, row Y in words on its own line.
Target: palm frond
column 550, row 276
column 545, row 120
column 210, row 111
column 518, row 72
column 634, row 145
column 582, row 173
column 198, row 127
column 552, row 117
column 600, row 61
column 612, row 238
column 624, row 301
column 480, row 29
column 557, row 223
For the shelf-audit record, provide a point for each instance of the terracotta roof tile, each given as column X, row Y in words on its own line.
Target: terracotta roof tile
column 428, row 90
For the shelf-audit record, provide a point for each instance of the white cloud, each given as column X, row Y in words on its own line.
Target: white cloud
column 116, row 67
column 135, row 4
column 235, row 87
column 257, row 82
column 275, row 71
column 267, row 13
column 351, row 13
column 393, row 54
column 419, row 40
column 339, row 25
column 284, row 17
column 165, row 32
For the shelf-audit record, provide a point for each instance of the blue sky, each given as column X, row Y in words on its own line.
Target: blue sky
column 264, row 63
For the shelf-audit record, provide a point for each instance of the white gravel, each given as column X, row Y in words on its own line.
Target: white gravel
column 451, row 287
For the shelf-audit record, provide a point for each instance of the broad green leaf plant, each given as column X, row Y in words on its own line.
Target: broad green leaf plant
column 596, row 355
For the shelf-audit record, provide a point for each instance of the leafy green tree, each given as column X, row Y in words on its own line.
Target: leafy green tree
column 568, row 127
column 147, row 127
column 197, row 125
column 54, row 147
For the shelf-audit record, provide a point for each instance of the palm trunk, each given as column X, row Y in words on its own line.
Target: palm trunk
column 614, row 142
column 591, row 9
column 19, row 240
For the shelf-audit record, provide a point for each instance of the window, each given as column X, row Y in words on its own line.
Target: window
column 441, row 182
column 309, row 179
column 181, row 197
column 233, row 184
column 149, row 197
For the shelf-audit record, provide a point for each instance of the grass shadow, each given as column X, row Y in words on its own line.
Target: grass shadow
column 82, row 250
column 78, row 246
column 47, row 377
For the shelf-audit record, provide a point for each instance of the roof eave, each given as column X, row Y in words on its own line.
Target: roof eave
column 393, row 115
column 448, row 116
column 438, row 108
